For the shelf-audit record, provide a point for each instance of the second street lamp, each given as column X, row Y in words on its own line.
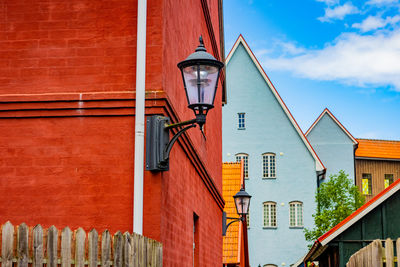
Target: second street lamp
column 242, row 203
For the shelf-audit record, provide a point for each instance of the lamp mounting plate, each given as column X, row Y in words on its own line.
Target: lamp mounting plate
column 157, row 138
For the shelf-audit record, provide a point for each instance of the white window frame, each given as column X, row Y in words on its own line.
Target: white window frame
column 241, row 121
column 296, row 205
column 269, row 165
column 267, row 207
column 245, row 158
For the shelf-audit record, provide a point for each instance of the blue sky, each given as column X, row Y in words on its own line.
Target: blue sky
column 343, row 55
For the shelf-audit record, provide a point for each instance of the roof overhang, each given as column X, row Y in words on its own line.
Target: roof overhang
column 380, row 159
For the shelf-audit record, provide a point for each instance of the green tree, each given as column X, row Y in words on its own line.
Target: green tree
column 336, row 199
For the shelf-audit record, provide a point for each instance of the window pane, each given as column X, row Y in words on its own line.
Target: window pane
column 299, row 214
column 388, row 180
column 269, row 165
column 266, row 215
column 273, row 215
column 241, row 120
column 265, row 166
column 269, row 215
column 366, row 184
column 292, row 215
column 272, row 165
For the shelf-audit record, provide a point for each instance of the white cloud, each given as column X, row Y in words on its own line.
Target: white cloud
column 338, row 12
column 375, row 22
column 381, row 2
column 262, row 52
column 329, row 2
column 291, row 48
column 352, row 59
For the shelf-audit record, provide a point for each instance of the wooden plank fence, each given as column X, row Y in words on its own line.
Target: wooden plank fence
column 36, row 246
column 374, row 255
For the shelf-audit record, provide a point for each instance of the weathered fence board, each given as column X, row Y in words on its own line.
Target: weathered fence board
column 80, row 238
column 22, row 245
column 52, row 243
column 120, row 250
column 66, row 237
column 37, row 246
column 7, row 248
column 93, row 239
column 106, row 249
column 389, row 255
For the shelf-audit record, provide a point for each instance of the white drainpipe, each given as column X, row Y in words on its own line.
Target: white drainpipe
column 139, row 117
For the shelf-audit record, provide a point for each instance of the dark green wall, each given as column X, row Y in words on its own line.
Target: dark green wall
column 380, row 223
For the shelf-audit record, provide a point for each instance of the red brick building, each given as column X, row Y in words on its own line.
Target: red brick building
column 67, row 118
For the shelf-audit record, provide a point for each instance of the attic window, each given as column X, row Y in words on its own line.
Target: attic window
column 241, row 121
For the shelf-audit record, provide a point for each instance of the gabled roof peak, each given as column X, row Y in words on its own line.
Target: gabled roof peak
column 326, row 111
column 319, row 166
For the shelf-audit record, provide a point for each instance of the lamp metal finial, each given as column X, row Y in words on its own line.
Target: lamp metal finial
column 201, row 45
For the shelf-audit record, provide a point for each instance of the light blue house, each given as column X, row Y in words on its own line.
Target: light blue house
column 281, row 167
column 334, row 145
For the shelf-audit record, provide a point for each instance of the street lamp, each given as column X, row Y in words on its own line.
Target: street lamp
column 242, row 203
column 200, row 73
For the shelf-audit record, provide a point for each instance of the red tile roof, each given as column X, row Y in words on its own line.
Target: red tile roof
column 369, row 148
column 232, row 179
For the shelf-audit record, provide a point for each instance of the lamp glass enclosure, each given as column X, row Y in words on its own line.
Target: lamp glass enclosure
column 200, row 82
column 242, row 202
column 200, row 73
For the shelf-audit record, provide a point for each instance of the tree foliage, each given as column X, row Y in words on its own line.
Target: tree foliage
column 336, row 199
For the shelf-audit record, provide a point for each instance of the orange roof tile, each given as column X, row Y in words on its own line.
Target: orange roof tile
column 232, row 179
column 370, row 148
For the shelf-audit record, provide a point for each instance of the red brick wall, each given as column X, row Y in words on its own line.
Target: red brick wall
column 67, row 171
column 78, row 171
column 67, row 46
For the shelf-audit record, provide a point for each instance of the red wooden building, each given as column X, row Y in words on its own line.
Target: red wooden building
column 67, row 118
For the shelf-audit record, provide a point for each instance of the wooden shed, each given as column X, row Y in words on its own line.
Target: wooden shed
column 379, row 218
